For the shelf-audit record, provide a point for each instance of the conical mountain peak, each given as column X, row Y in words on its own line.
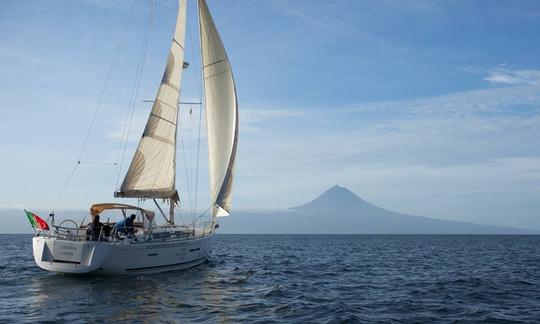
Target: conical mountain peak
column 336, row 198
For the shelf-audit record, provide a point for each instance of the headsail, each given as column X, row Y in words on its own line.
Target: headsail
column 221, row 113
column 152, row 172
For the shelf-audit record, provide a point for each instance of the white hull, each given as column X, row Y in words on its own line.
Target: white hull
column 121, row 257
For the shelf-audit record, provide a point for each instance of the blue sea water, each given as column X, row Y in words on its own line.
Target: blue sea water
column 295, row 278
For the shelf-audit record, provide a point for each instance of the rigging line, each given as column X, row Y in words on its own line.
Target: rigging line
column 136, row 86
column 105, row 85
column 138, row 81
column 181, row 218
column 100, row 101
column 198, row 159
column 193, row 194
column 202, row 214
column 185, row 163
column 199, row 80
column 190, row 158
column 66, row 184
column 161, row 211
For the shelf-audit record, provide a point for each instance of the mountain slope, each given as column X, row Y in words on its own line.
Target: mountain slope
column 339, row 211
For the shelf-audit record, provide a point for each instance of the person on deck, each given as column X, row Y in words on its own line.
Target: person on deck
column 125, row 226
column 95, row 228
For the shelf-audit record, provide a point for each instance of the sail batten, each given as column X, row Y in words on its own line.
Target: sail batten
column 152, row 172
column 221, row 113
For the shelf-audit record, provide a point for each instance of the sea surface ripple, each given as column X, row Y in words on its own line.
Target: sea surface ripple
column 295, row 278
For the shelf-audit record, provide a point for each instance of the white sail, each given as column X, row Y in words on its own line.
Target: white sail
column 221, row 113
column 153, row 167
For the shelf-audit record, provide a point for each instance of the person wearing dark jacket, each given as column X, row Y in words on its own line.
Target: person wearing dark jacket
column 95, row 228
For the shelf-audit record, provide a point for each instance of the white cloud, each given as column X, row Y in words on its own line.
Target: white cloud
column 513, row 77
column 251, row 115
column 468, row 102
column 250, row 118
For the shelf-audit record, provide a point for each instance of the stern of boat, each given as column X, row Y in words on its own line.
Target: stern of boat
column 68, row 256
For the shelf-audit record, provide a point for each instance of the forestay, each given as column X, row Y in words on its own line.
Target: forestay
column 221, row 113
column 152, row 170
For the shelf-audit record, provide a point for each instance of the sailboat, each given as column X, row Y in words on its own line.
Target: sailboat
column 145, row 246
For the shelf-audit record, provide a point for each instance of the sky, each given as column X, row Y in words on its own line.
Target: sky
column 430, row 108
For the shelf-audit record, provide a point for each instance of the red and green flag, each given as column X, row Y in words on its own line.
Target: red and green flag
column 36, row 221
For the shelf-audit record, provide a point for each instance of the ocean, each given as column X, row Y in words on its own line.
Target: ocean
column 295, row 278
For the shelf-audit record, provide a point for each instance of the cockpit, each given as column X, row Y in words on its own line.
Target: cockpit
column 118, row 221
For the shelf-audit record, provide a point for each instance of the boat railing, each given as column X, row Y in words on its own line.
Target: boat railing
column 67, row 233
column 164, row 232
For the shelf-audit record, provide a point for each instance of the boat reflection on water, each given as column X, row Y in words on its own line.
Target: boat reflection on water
column 188, row 294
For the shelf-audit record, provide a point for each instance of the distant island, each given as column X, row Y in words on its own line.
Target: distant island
column 339, row 211
column 336, row 211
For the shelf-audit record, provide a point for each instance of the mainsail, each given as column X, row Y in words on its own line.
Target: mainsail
column 152, row 171
column 221, row 113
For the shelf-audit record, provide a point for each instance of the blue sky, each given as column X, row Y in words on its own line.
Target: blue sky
column 429, row 108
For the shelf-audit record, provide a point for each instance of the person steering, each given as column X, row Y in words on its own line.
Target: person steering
column 125, row 226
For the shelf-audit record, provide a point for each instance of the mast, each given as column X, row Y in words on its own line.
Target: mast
column 152, row 172
column 221, row 113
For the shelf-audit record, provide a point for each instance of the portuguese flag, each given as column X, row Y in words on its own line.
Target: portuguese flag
column 36, row 221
